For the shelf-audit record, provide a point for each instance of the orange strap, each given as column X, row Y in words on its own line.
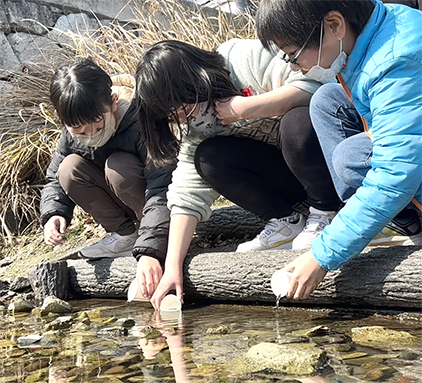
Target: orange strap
column 346, row 89
column 365, row 125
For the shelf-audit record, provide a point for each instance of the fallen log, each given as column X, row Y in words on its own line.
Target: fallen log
column 379, row 277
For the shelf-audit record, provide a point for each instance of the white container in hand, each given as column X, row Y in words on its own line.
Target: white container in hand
column 171, row 303
column 134, row 292
column 280, row 282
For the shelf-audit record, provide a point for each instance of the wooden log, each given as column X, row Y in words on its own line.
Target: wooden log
column 230, row 222
column 50, row 278
column 379, row 277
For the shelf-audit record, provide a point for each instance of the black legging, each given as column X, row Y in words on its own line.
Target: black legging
column 266, row 179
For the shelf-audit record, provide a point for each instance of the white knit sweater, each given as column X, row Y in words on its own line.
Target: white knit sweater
column 250, row 66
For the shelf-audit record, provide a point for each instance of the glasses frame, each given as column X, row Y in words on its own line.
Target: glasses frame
column 293, row 61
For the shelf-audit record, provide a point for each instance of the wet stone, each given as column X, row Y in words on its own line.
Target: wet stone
column 113, row 332
column 151, row 332
column 308, row 333
column 20, row 283
column 60, row 323
column 52, row 304
column 125, row 322
column 20, row 305
column 28, row 340
column 294, row 359
column 51, row 338
column 353, row 355
column 378, row 374
column 219, row 330
column 382, row 338
column 82, row 327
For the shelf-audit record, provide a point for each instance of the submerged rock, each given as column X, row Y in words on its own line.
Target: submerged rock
column 20, row 305
column 51, row 338
column 53, row 304
column 382, row 338
column 151, row 332
column 60, row 323
column 219, row 330
column 113, row 332
column 292, row 359
column 125, row 322
column 27, row 340
column 309, row 333
column 380, row 373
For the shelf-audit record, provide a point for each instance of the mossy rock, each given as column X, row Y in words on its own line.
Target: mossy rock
column 382, row 338
column 291, row 359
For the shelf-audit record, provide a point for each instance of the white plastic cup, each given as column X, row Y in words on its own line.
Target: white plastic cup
column 280, row 282
column 134, row 292
column 171, row 303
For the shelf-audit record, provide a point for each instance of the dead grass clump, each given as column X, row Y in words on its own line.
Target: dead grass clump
column 28, row 129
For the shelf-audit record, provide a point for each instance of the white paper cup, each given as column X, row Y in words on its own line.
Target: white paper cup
column 280, row 282
column 134, row 292
column 171, row 303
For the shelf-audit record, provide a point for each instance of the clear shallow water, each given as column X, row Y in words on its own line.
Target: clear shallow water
column 181, row 349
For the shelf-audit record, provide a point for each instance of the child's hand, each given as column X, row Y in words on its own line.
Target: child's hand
column 172, row 280
column 54, row 230
column 231, row 110
column 149, row 273
column 307, row 275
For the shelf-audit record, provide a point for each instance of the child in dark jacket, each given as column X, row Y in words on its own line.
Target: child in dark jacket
column 99, row 165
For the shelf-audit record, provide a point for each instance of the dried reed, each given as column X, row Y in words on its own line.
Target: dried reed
column 28, row 129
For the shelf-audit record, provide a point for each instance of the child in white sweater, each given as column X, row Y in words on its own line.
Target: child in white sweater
column 259, row 151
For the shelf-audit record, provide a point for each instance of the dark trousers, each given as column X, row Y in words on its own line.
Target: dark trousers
column 113, row 196
column 269, row 180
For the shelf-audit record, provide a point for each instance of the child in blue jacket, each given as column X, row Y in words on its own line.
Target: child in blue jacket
column 369, row 124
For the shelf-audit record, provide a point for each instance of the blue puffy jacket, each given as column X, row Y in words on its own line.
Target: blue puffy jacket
column 384, row 75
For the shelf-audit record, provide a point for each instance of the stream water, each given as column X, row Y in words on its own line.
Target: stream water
column 203, row 345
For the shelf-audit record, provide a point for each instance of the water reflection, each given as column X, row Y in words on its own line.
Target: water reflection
column 171, row 336
column 184, row 349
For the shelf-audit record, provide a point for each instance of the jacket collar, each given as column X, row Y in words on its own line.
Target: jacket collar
column 363, row 43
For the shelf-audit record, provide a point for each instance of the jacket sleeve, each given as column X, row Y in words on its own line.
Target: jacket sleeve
column 396, row 166
column 154, row 228
column 54, row 200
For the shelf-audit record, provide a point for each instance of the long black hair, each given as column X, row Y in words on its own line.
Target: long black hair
column 80, row 92
column 171, row 74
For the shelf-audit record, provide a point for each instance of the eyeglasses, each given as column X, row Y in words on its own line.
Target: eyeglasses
column 293, row 61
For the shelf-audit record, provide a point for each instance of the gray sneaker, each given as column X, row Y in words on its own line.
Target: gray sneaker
column 112, row 246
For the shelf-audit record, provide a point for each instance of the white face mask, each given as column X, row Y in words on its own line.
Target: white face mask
column 320, row 74
column 98, row 139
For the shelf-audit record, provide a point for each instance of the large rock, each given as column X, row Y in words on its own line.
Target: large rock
column 4, row 23
column 27, row 16
column 78, row 23
column 34, row 51
column 291, row 359
column 383, row 338
column 53, row 304
column 8, row 59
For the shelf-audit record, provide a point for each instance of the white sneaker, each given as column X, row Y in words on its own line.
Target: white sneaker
column 112, row 246
column 277, row 234
column 315, row 224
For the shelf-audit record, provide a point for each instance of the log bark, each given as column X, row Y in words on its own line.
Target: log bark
column 230, row 222
column 50, row 278
column 379, row 277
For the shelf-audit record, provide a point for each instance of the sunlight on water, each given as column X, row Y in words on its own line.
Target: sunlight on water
column 203, row 344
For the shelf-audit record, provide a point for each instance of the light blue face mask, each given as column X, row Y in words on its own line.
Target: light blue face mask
column 320, row 74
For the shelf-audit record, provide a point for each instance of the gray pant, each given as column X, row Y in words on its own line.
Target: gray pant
column 113, row 196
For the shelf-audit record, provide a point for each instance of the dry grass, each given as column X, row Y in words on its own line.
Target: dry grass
column 28, row 130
